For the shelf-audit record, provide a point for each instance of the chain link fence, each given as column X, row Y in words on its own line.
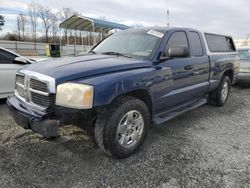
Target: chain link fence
column 38, row 49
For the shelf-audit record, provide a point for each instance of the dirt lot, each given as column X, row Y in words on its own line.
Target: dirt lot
column 208, row 147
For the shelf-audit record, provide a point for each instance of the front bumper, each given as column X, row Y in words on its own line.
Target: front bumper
column 47, row 123
column 29, row 118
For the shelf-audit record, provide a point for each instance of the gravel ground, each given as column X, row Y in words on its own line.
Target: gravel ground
column 207, row 147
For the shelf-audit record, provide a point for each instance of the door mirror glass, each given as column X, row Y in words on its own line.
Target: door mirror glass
column 20, row 60
column 177, row 46
column 178, row 51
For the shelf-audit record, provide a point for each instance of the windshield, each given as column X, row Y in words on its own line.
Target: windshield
column 132, row 43
column 244, row 54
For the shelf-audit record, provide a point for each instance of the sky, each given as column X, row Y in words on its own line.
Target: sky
column 217, row 16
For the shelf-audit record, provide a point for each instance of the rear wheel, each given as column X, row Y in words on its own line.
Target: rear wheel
column 220, row 95
column 122, row 128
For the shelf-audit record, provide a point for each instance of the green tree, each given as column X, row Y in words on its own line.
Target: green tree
column 1, row 21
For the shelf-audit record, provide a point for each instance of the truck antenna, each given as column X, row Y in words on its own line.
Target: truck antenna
column 168, row 13
column 168, row 17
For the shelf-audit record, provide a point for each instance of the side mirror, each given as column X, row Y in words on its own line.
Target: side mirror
column 178, row 51
column 21, row 60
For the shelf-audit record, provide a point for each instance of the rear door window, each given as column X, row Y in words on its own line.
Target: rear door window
column 219, row 43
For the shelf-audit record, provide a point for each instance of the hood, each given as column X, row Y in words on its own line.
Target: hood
column 245, row 64
column 71, row 68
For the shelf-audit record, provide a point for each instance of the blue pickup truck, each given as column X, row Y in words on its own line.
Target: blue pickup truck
column 132, row 79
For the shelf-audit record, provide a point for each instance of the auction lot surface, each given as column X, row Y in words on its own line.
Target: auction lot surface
column 207, row 147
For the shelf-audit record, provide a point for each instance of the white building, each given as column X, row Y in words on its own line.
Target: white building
column 242, row 43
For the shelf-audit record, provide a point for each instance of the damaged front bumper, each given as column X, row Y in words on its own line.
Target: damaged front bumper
column 47, row 123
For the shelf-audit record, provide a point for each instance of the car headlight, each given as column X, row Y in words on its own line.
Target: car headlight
column 73, row 95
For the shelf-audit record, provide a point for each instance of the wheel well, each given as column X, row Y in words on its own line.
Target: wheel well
column 230, row 74
column 142, row 95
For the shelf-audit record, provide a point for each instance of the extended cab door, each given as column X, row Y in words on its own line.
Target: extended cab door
column 201, row 64
column 8, row 70
column 189, row 74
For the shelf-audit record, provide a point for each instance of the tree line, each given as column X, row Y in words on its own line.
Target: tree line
column 1, row 22
column 41, row 24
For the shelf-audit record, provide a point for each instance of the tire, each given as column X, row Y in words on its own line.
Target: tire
column 125, row 117
column 219, row 96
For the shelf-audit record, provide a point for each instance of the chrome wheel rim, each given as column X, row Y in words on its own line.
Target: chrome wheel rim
column 224, row 91
column 130, row 129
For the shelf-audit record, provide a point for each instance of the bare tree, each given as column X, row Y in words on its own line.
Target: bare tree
column 23, row 22
column 33, row 14
column 54, row 22
column 45, row 15
column 1, row 21
column 18, row 21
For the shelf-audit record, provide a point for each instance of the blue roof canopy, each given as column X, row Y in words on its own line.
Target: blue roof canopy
column 82, row 23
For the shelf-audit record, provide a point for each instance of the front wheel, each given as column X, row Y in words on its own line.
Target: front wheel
column 220, row 95
column 122, row 128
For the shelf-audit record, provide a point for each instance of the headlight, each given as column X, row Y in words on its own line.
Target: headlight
column 72, row 95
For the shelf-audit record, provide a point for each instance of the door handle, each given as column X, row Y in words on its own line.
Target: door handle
column 188, row 67
column 196, row 73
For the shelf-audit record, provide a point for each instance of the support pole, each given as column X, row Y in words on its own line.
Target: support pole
column 60, row 40
column 101, row 33
column 82, row 40
column 93, row 33
column 68, row 38
column 88, row 35
column 75, row 43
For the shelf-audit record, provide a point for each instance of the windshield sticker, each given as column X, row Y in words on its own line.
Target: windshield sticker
column 155, row 33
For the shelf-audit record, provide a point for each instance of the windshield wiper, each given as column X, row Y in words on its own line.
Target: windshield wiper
column 116, row 53
column 92, row 52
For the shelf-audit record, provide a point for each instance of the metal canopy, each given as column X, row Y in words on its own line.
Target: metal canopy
column 90, row 26
column 82, row 23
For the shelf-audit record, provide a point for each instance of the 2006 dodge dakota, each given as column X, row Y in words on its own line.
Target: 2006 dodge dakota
column 130, row 80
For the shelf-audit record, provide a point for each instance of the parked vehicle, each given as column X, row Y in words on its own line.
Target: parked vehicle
column 10, row 62
column 132, row 79
column 244, row 73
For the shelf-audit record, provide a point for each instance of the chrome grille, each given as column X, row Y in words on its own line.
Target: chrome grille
column 21, row 91
column 43, row 101
column 38, row 85
column 33, row 91
column 20, row 79
column 20, row 88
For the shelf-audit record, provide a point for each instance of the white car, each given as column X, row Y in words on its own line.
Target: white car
column 10, row 62
column 244, row 73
